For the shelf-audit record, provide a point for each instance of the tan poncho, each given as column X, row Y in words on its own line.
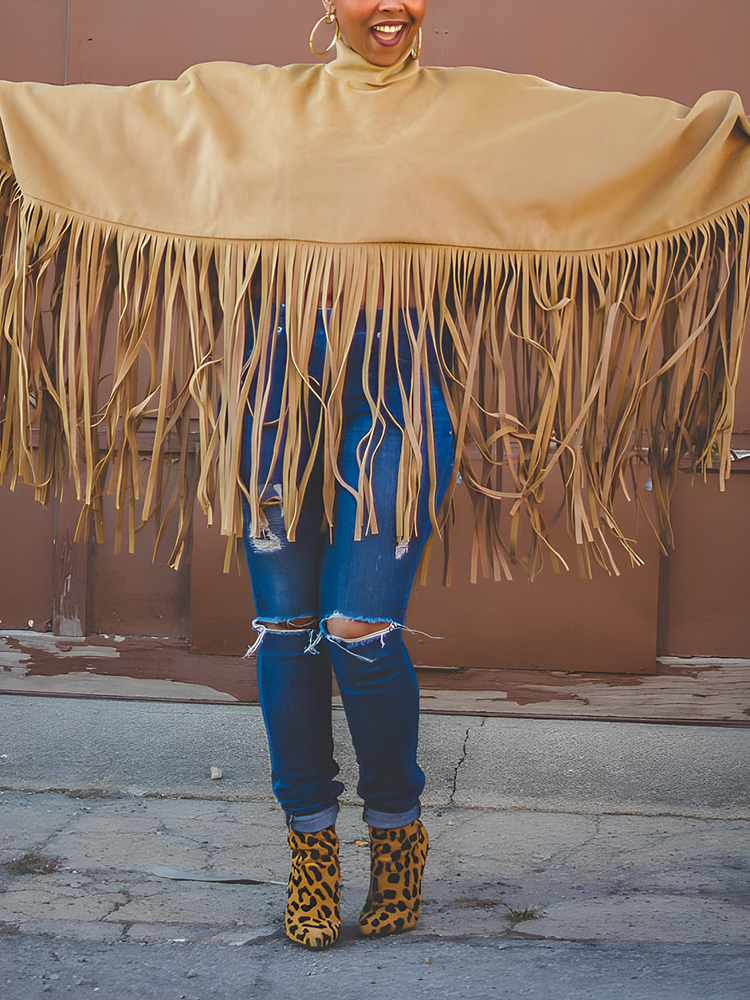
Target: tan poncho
column 586, row 252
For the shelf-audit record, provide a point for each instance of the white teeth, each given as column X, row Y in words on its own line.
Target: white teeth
column 389, row 29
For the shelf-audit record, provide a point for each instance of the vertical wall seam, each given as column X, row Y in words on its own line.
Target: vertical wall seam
column 68, row 6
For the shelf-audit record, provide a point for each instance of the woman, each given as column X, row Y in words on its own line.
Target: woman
column 355, row 273
column 354, row 592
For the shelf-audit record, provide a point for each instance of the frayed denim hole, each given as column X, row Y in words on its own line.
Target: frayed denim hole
column 358, row 618
column 350, row 644
column 269, row 541
column 261, row 627
column 272, row 507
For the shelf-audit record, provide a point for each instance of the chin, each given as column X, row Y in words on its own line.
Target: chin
column 388, row 57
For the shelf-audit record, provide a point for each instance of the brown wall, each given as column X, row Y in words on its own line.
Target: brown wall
column 705, row 582
column 26, row 552
column 673, row 48
column 696, row 599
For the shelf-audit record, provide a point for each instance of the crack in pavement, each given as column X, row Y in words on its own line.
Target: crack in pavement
column 462, row 758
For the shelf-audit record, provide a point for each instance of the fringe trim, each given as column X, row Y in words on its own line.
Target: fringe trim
column 580, row 364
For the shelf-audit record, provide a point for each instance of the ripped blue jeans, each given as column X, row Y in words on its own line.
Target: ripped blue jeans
column 322, row 577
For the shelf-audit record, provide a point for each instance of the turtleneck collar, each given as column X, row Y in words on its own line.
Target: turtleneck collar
column 350, row 67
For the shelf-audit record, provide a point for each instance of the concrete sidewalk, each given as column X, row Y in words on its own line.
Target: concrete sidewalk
column 570, row 766
column 624, row 847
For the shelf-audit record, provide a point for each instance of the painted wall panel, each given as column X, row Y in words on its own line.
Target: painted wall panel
column 135, row 594
column 705, row 581
column 673, row 48
column 26, row 548
column 32, row 40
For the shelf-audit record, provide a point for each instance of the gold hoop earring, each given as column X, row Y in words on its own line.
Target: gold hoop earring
column 328, row 18
column 416, row 48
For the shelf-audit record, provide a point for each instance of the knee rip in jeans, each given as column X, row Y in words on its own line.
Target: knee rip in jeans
column 359, row 632
column 355, row 630
column 368, row 631
column 303, row 624
column 288, row 626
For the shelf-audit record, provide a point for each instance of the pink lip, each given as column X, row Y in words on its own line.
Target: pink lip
column 391, row 39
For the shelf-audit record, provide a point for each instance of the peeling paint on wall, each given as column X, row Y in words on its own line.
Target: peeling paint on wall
column 60, row 646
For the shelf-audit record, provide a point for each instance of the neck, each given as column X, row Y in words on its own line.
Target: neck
column 351, row 67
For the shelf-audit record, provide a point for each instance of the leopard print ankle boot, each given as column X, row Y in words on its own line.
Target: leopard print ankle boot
column 397, row 860
column 313, row 911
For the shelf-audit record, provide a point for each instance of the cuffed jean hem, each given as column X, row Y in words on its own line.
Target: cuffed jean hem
column 317, row 821
column 390, row 821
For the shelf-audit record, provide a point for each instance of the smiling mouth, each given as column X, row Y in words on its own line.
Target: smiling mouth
column 389, row 34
